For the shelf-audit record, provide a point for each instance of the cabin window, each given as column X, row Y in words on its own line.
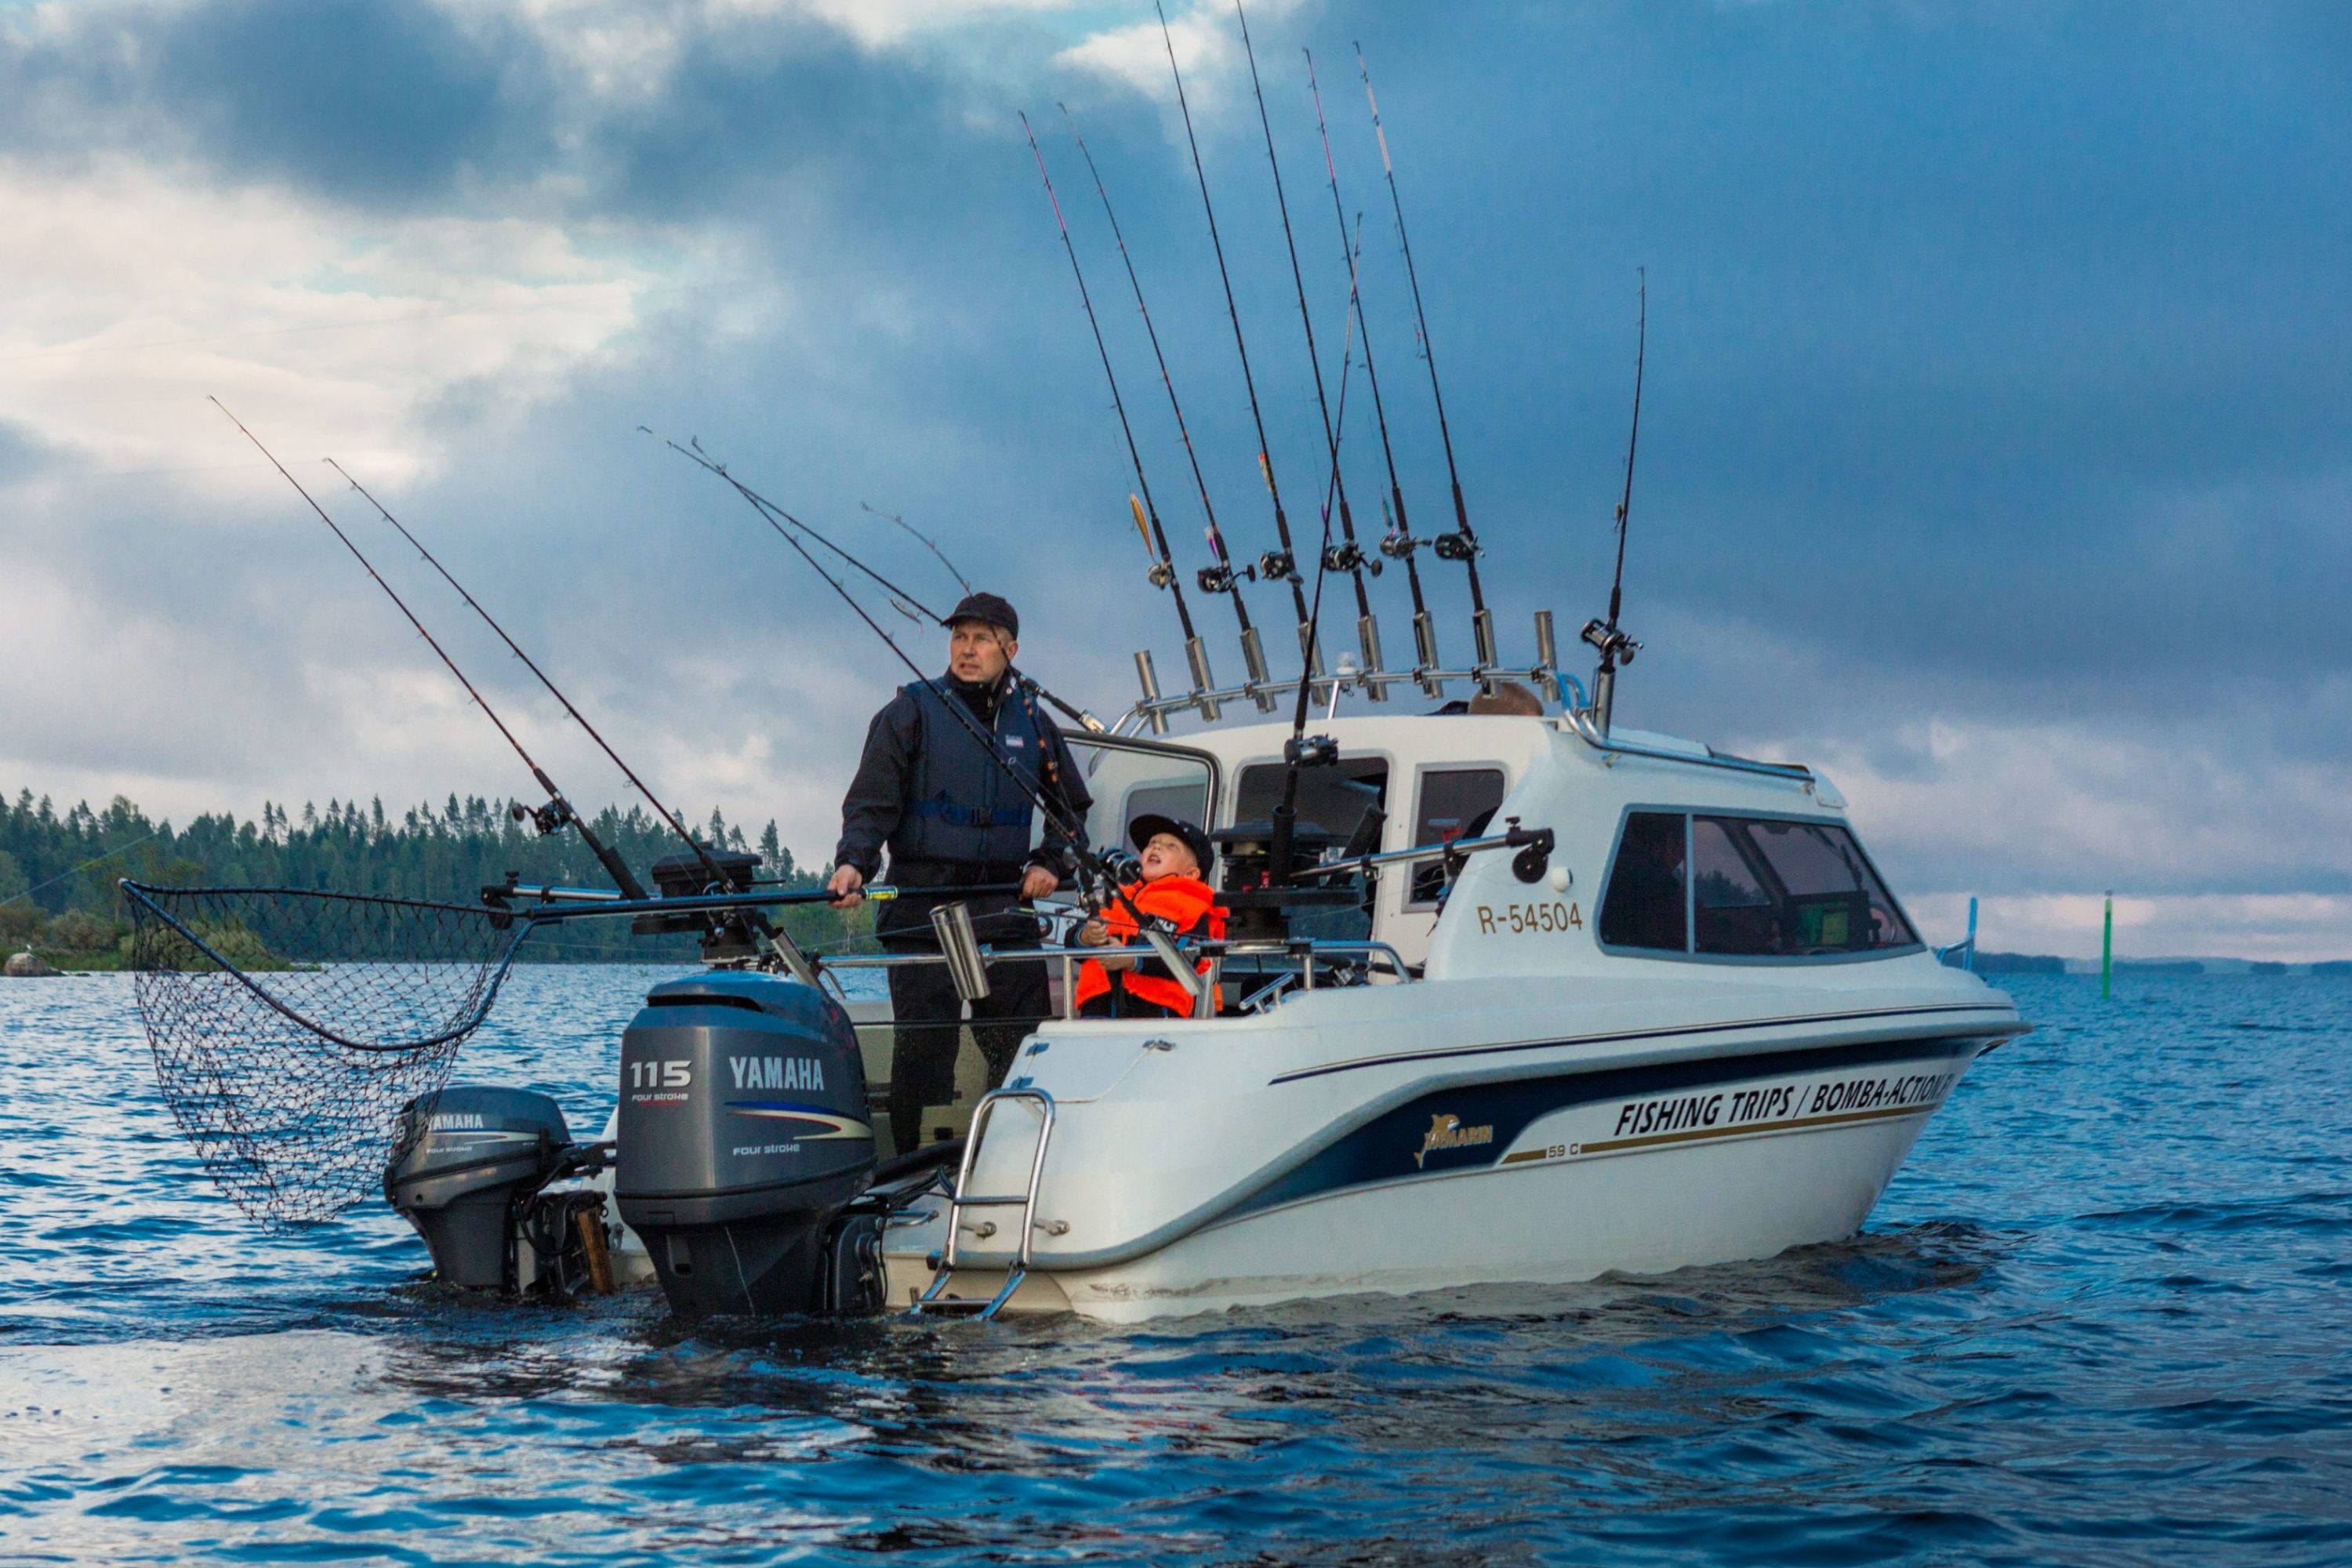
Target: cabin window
column 1337, row 799
column 1455, row 803
column 1334, row 798
column 1759, row 887
column 1769, row 888
column 1645, row 905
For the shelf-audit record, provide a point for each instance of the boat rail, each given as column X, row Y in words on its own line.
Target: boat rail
column 1306, row 952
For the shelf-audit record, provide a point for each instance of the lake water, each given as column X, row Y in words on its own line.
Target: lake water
column 2103, row 1316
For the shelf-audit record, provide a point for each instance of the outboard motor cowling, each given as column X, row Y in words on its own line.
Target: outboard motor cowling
column 743, row 1133
column 467, row 1160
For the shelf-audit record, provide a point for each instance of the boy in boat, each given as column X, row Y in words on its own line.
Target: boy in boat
column 1173, row 890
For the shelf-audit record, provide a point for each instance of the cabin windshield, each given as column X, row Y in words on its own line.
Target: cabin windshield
column 1746, row 886
column 1131, row 777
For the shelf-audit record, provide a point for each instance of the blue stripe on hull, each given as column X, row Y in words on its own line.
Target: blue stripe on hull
column 1384, row 1148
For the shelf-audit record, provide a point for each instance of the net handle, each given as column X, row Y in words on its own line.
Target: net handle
column 524, row 925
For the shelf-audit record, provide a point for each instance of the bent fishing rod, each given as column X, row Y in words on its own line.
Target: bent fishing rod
column 1398, row 542
column 669, row 817
column 1283, row 564
column 906, row 603
column 1225, row 578
column 926, row 540
column 1614, row 647
column 1347, row 556
column 769, row 511
column 1461, row 544
column 557, row 811
column 1217, row 578
column 1090, row 862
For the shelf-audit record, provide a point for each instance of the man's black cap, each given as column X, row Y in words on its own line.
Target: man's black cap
column 1141, row 830
column 988, row 607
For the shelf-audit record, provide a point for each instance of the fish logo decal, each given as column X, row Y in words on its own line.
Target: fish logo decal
column 1447, row 1131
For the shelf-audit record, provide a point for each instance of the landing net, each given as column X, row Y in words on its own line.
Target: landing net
column 289, row 1027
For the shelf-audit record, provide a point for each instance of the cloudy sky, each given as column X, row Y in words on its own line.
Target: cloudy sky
column 1995, row 450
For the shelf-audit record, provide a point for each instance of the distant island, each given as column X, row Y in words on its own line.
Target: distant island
column 2047, row 963
column 59, row 869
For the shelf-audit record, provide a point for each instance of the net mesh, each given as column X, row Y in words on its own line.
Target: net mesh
column 289, row 1027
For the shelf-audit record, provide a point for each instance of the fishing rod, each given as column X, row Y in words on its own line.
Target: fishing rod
column 1615, row 647
column 549, row 819
column 1218, row 578
column 906, row 603
column 1347, row 556
column 1089, row 862
column 1461, row 544
column 1252, row 649
column 694, row 452
column 1281, row 563
column 928, row 543
column 665, row 813
column 1396, row 543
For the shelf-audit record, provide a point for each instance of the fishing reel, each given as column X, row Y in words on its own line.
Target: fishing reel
column 1310, row 751
column 1397, row 547
column 1217, row 579
column 1348, row 556
column 1614, row 647
column 1277, row 566
column 1456, row 547
column 550, row 818
column 1161, row 573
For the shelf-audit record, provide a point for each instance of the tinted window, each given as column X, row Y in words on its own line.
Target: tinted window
column 1644, row 904
column 1455, row 803
column 1822, row 895
column 1332, row 798
column 1184, row 802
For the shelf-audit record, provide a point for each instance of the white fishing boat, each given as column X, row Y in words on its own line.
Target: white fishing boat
column 1700, row 1029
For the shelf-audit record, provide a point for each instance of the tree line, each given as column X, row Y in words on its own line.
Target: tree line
column 59, row 869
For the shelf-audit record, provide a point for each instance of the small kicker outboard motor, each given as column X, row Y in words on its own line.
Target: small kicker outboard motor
column 744, row 1136
column 470, row 1164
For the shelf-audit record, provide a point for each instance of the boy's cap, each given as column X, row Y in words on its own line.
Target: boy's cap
column 988, row 608
column 1142, row 828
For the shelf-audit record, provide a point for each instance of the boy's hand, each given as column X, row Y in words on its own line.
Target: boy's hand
column 1096, row 932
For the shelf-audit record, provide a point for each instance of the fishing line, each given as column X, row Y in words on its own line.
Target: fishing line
column 928, row 543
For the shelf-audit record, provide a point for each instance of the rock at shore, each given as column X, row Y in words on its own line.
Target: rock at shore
column 26, row 966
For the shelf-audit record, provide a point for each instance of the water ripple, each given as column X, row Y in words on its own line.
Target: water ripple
column 2100, row 1318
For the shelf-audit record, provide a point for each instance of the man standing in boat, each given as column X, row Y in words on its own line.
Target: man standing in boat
column 952, row 815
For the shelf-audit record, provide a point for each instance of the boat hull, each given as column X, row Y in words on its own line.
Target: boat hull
column 1561, row 1171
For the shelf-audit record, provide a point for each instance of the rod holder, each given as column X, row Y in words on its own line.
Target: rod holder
column 1605, row 698
column 1368, row 638
column 1150, row 680
column 1253, row 661
column 1204, row 683
column 1482, row 629
column 1311, row 651
column 1425, row 647
column 1548, row 656
column 952, row 924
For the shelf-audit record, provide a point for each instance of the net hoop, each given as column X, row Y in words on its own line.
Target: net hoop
column 457, row 1030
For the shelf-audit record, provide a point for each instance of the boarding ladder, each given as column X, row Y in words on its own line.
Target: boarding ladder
column 936, row 1298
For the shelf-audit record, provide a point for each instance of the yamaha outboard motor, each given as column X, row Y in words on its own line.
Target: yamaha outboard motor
column 467, row 1164
column 743, row 1136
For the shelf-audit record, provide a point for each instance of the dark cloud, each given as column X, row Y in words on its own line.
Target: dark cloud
column 1995, row 372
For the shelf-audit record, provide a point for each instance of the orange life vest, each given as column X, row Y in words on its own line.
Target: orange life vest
column 1184, row 902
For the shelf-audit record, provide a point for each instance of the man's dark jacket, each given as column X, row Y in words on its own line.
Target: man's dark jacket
column 927, row 790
